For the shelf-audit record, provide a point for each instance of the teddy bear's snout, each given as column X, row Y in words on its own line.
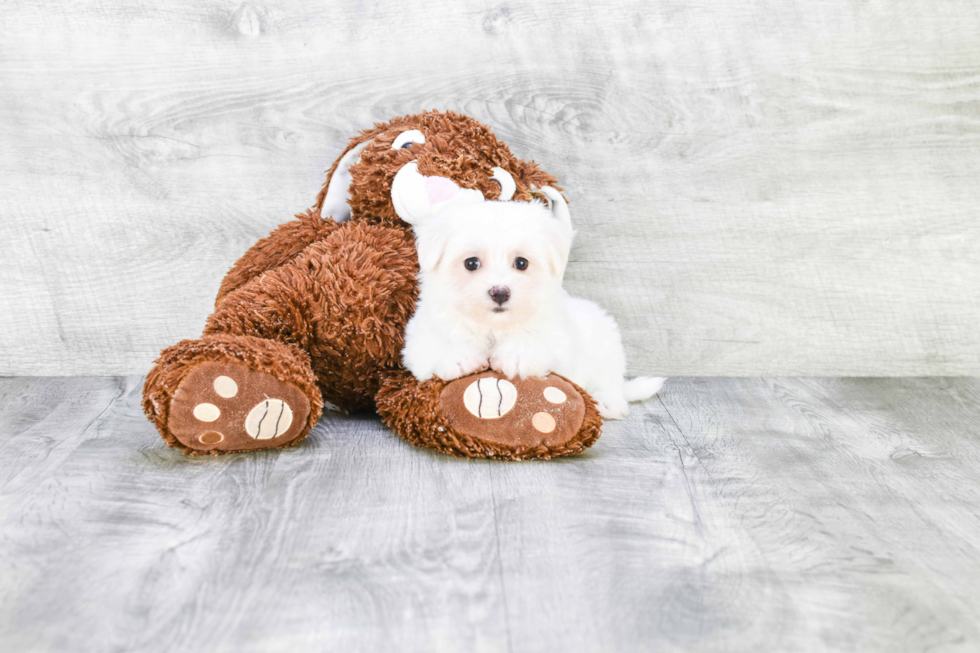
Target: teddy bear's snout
column 440, row 189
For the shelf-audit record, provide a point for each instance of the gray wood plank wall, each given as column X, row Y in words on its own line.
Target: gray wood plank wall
column 760, row 187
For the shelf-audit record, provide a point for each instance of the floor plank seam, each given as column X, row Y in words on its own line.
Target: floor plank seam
column 500, row 559
column 78, row 438
column 686, row 441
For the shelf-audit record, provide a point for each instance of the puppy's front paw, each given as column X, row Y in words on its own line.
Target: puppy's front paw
column 514, row 366
column 612, row 406
column 453, row 367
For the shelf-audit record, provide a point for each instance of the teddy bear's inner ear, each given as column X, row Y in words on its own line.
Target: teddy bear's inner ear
column 556, row 202
column 336, row 203
column 507, row 184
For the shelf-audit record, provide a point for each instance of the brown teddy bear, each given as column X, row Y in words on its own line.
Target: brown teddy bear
column 316, row 313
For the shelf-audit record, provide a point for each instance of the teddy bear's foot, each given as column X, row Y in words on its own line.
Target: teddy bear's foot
column 487, row 415
column 517, row 413
column 229, row 407
column 228, row 393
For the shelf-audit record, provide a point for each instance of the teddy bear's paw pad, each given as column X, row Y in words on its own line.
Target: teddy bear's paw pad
column 490, row 397
column 269, row 419
column 514, row 412
column 230, row 407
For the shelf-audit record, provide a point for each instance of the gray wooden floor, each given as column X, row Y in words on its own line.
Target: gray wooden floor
column 727, row 515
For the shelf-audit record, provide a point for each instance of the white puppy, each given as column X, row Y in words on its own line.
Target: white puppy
column 491, row 295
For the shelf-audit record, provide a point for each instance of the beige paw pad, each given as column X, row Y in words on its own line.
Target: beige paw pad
column 554, row 395
column 490, row 398
column 543, row 422
column 207, row 412
column 268, row 419
column 226, row 387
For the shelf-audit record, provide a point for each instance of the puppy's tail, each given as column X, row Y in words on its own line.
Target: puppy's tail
column 643, row 387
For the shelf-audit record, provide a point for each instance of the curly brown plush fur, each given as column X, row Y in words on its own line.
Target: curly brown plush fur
column 456, row 147
column 323, row 305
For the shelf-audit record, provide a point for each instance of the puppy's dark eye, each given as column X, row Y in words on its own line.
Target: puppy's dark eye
column 520, row 263
column 471, row 263
column 407, row 145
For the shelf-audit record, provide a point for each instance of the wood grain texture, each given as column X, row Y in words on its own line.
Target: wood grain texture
column 728, row 515
column 759, row 187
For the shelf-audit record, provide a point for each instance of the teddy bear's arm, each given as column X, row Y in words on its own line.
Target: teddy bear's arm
column 281, row 246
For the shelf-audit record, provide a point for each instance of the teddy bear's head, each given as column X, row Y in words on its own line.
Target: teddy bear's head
column 402, row 171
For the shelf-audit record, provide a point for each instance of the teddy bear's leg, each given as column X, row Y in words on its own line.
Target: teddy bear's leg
column 486, row 415
column 281, row 246
column 247, row 383
column 225, row 393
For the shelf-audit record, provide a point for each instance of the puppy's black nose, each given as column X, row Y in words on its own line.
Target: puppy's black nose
column 500, row 294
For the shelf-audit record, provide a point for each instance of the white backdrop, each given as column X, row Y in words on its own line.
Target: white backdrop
column 760, row 187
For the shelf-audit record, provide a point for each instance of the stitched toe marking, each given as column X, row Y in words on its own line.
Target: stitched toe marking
column 490, row 397
column 268, row 419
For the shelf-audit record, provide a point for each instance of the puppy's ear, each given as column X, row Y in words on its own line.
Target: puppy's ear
column 431, row 244
column 559, row 246
column 556, row 256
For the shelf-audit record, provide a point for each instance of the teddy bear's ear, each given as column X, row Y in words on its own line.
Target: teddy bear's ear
column 336, row 201
column 557, row 204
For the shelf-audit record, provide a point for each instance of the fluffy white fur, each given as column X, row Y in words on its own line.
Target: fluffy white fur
column 458, row 328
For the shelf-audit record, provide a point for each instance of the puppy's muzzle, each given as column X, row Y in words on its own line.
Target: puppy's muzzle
column 499, row 294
